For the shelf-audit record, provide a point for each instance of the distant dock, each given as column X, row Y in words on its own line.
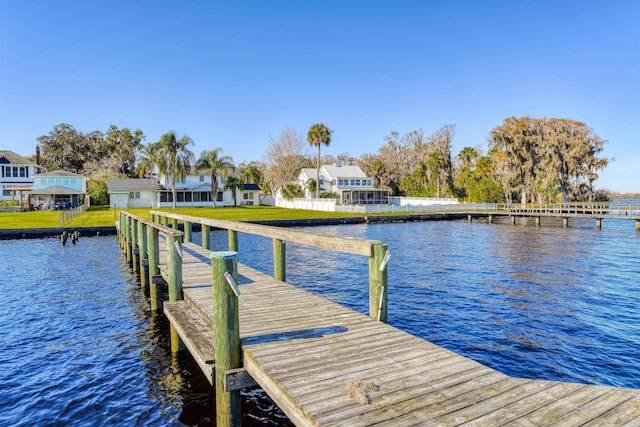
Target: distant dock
column 324, row 364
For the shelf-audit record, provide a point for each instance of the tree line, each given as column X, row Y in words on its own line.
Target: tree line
column 528, row 160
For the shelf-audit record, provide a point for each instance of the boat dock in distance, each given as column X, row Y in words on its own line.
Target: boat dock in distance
column 324, row 364
column 519, row 213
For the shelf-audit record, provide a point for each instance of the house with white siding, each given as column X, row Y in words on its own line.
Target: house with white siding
column 349, row 183
column 58, row 190
column 16, row 177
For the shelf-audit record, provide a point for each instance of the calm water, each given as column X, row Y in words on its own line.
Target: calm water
column 81, row 347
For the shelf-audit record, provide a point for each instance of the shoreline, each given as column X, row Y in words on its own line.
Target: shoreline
column 38, row 233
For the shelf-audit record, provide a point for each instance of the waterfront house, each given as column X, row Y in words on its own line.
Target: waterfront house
column 194, row 190
column 58, row 190
column 133, row 192
column 349, row 183
column 16, row 177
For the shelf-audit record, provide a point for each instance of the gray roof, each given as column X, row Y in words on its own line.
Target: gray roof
column 132, row 184
column 55, row 190
column 14, row 158
column 59, row 173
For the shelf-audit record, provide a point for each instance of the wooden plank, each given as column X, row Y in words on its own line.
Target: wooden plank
column 617, row 407
column 196, row 334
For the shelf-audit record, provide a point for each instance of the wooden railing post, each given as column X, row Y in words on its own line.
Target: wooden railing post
column 144, row 256
column 174, row 247
column 135, row 253
column 153, row 251
column 279, row 260
column 127, row 234
column 378, row 287
column 233, row 241
column 206, row 235
column 226, row 335
column 187, row 231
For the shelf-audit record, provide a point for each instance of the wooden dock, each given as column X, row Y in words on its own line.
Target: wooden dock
column 326, row 365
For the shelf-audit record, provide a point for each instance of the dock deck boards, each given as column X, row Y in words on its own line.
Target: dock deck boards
column 325, row 364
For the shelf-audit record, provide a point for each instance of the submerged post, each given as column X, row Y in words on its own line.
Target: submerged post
column 174, row 248
column 279, row 260
column 135, row 252
column 378, row 287
column 598, row 223
column 224, row 269
column 153, row 251
column 637, row 224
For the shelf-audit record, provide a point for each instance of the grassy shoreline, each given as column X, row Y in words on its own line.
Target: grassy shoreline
column 103, row 216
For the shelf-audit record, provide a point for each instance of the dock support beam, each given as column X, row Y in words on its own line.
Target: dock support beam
column 226, row 336
column 599, row 223
column 637, row 224
column 565, row 222
column 174, row 247
column 469, row 218
column 153, row 251
column 206, row 236
column 490, row 219
column 143, row 255
column 513, row 220
column 187, row 231
column 537, row 221
column 233, row 241
column 378, row 288
column 279, row 260
column 135, row 252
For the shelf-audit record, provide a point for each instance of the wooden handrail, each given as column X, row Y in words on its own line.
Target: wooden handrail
column 350, row 245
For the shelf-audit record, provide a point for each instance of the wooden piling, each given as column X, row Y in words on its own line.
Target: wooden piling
column 187, row 231
column 565, row 222
column 127, row 236
column 144, row 255
column 135, row 251
column 279, row 260
column 226, row 336
column 378, row 287
column 537, row 221
column 153, row 252
column 599, row 223
column 174, row 246
column 206, row 235
column 233, row 241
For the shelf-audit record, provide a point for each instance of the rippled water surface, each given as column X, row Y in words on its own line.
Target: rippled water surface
column 80, row 345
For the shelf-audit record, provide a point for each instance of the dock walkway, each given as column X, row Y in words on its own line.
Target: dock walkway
column 327, row 365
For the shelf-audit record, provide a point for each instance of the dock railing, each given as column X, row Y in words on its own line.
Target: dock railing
column 376, row 252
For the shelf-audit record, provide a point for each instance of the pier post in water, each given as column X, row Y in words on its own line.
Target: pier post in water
column 637, row 224
column 226, row 334
column 153, row 251
column 599, row 223
column 206, row 236
column 174, row 247
column 565, row 222
column 378, row 287
column 135, row 252
column 144, row 255
column 279, row 260
column 233, row 241
column 537, row 221
column 187, row 231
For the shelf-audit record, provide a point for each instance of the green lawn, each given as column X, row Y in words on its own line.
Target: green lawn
column 98, row 216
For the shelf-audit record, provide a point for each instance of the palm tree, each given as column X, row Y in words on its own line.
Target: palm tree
column 174, row 158
column 214, row 161
column 250, row 172
column 318, row 135
column 147, row 160
column 234, row 184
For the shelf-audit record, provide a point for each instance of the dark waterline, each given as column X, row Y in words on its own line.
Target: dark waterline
column 81, row 346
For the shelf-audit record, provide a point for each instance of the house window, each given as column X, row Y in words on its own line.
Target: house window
column 369, row 182
column 340, row 182
column 23, row 172
column 201, row 178
column 357, row 182
column 353, row 182
column 187, row 196
column 6, row 193
column 245, row 196
column 219, row 198
column 134, row 195
column 15, row 172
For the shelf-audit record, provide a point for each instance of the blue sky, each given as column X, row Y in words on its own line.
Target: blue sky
column 231, row 74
